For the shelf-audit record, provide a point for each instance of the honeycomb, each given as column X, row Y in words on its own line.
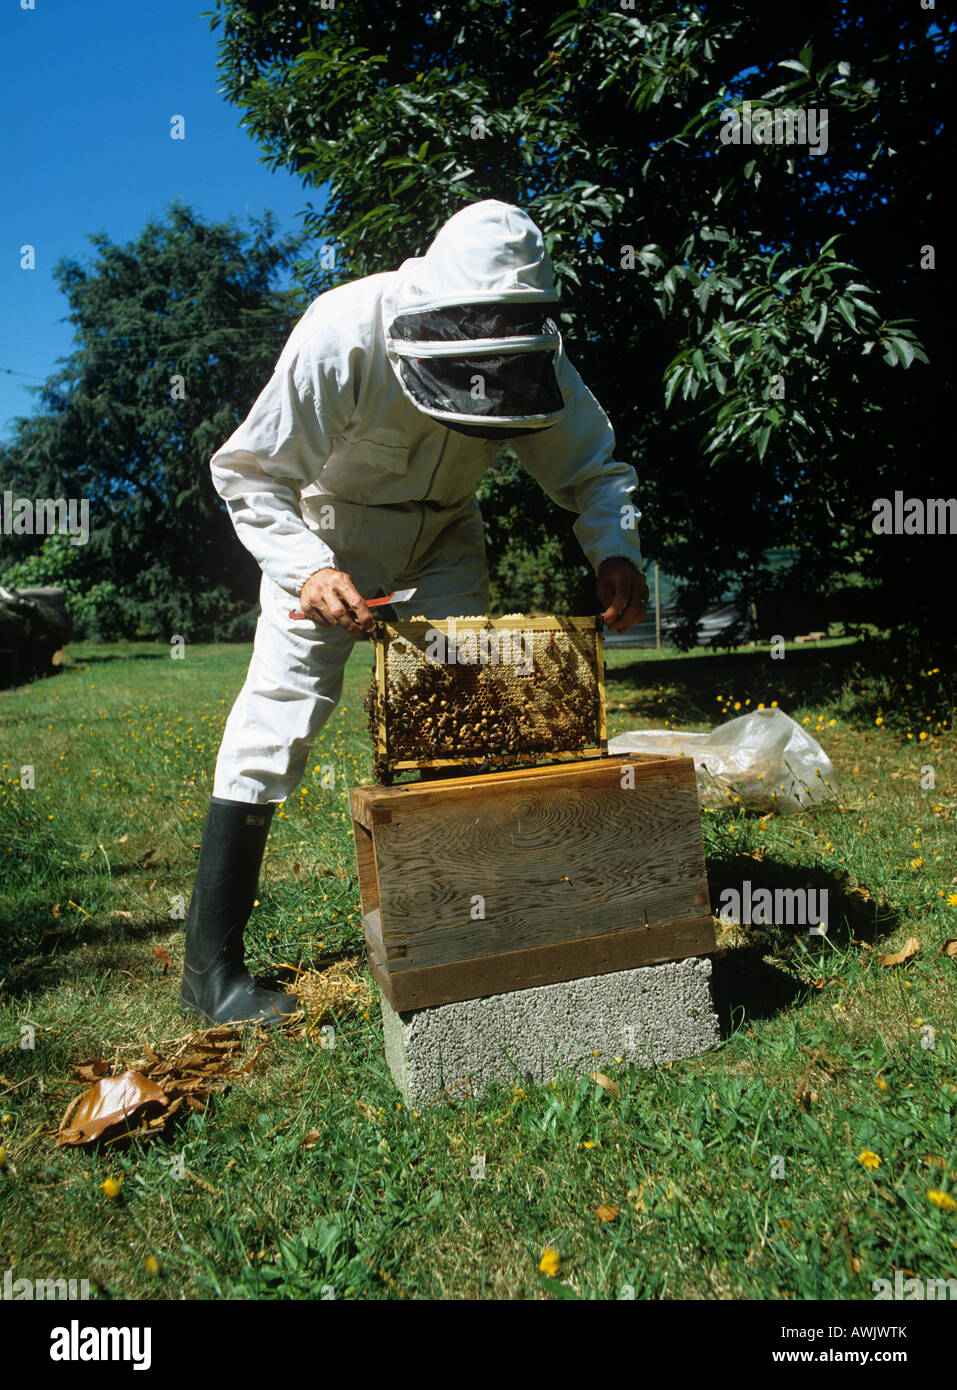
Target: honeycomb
column 501, row 692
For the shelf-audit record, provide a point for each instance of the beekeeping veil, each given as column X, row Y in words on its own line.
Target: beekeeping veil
column 469, row 330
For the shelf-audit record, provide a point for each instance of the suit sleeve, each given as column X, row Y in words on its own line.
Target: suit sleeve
column 574, row 463
column 279, row 449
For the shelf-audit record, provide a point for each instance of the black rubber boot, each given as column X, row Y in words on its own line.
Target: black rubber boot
column 216, row 985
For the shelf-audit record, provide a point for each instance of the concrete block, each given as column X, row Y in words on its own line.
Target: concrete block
column 652, row 1014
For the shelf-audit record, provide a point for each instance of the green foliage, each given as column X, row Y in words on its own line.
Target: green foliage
column 694, row 272
column 537, row 563
column 176, row 333
column 93, row 608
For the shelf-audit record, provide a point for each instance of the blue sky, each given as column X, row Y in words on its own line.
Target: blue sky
column 88, row 91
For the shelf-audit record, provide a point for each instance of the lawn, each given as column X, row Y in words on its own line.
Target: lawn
column 736, row 1175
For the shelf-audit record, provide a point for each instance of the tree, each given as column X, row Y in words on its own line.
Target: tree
column 757, row 318
column 176, row 333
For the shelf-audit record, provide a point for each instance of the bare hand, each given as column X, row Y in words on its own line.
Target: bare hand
column 330, row 599
column 623, row 591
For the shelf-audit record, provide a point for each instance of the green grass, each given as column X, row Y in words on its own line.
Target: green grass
column 95, row 858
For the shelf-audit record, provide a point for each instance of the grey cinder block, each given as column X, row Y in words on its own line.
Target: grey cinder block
column 653, row 1014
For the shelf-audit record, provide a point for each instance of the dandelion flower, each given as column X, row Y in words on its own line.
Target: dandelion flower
column 941, row 1199
column 869, row 1160
column 111, row 1186
column 550, row 1262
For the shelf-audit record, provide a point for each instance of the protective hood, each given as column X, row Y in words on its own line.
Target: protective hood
column 468, row 327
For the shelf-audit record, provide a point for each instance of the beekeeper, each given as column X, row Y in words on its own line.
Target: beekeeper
column 355, row 475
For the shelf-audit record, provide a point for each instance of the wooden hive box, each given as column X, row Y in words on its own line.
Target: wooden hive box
column 481, row 885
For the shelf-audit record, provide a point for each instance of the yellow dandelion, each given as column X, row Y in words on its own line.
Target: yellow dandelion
column 152, row 1264
column 550, row 1263
column 111, row 1186
column 589, row 1144
column 881, row 1084
column 941, row 1199
column 952, row 899
column 869, row 1160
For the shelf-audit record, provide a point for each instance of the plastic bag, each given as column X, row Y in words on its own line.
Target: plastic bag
column 764, row 758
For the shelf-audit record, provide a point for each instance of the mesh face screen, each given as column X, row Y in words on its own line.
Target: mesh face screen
column 463, row 321
column 504, row 692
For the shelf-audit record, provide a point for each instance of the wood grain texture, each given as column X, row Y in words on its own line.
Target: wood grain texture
column 365, row 860
column 560, row 857
column 478, row 978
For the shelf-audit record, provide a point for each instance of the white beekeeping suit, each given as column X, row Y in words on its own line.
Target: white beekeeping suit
column 354, row 458
column 362, row 455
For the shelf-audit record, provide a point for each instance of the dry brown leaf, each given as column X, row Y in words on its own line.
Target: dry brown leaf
column 162, row 955
column 114, row 1101
column 949, row 948
column 91, row 1071
column 910, row 948
column 118, row 912
column 297, row 868
column 606, row 1212
column 55, row 910
column 186, row 1070
column 606, row 1083
column 122, row 840
column 310, row 1139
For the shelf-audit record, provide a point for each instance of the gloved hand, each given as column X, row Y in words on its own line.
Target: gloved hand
column 623, row 591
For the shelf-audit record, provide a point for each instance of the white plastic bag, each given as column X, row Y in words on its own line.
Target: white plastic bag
column 764, row 758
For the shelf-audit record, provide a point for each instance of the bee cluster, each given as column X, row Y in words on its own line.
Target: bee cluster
column 493, row 715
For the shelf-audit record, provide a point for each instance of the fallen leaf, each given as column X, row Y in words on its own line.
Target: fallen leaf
column 112, row 1102
column 91, row 1071
column 118, row 912
column 949, row 948
column 162, row 955
column 55, row 910
column 122, row 840
column 606, row 1212
column 310, row 1139
column 297, row 868
column 606, row 1083
column 910, row 948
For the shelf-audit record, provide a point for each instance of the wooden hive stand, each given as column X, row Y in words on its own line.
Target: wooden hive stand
column 477, row 886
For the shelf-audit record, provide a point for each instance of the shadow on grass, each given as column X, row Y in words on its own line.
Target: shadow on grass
column 36, row 953
column 89, row 658
column 758, row 978
column 806, row 677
